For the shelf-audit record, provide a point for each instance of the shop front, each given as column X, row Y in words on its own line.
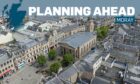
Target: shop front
column 7, row 73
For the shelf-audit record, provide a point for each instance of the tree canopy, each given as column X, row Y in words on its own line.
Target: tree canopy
column 55, row 67
column 102, row 32
column 41, row 59
column 52, row 54
column 67, row 59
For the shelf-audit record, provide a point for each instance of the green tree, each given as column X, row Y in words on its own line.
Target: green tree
column 55, row 67
column 52, row 54
column 67, row 59
column 102, row 32
column 41, row 59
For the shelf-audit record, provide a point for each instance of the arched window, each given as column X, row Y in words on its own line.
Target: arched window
column 29, row 60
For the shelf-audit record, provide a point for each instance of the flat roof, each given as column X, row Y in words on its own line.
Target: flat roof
column 92, row 57
column 87, row 63
column 126, row 54
column 19, row 37
column 3, row 56
column 28, row 43
column 69, row 27
column 78, row 39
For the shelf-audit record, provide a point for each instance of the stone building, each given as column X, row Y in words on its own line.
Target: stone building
column 6, row 63
column 30, row 44
column 71, row 29
column 90, row 25
column 5, row 37
column 78, row 44
column 81, row 72
column 138, row 20
column 55, row 36
column 104, row 21
column 131, row 75
column 31, row 50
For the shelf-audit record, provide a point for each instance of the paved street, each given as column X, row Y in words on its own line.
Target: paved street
column 26, row 76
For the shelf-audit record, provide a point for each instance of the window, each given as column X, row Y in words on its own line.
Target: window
column 1, row 65
column 35, row 57
column 7, row 62
column 28, row 60
column 4, row 63
column 11, row 65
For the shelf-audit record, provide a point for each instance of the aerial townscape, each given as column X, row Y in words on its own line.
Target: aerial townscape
column 70, row 50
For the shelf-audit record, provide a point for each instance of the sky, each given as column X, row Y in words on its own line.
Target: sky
column 18, row 9
column 90, row 3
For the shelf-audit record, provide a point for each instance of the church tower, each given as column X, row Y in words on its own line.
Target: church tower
column 90, row 25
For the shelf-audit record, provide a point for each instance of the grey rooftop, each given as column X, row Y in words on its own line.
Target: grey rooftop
column 69, row 28
column 79, row 66
column 132, row 74
column 68, row 73
column 54, row 80
column 28, row 43
column 98, row 80
column 3, row 56
column 78, row 39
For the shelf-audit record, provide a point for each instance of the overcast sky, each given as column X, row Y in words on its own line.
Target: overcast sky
column 91, row 3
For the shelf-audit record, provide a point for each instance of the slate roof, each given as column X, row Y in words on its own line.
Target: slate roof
column 69, row 28
column 3, row 56
column 78, row 39
column 55, row 80
column 28, row 43
column 68, row 73
column 98, row 80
